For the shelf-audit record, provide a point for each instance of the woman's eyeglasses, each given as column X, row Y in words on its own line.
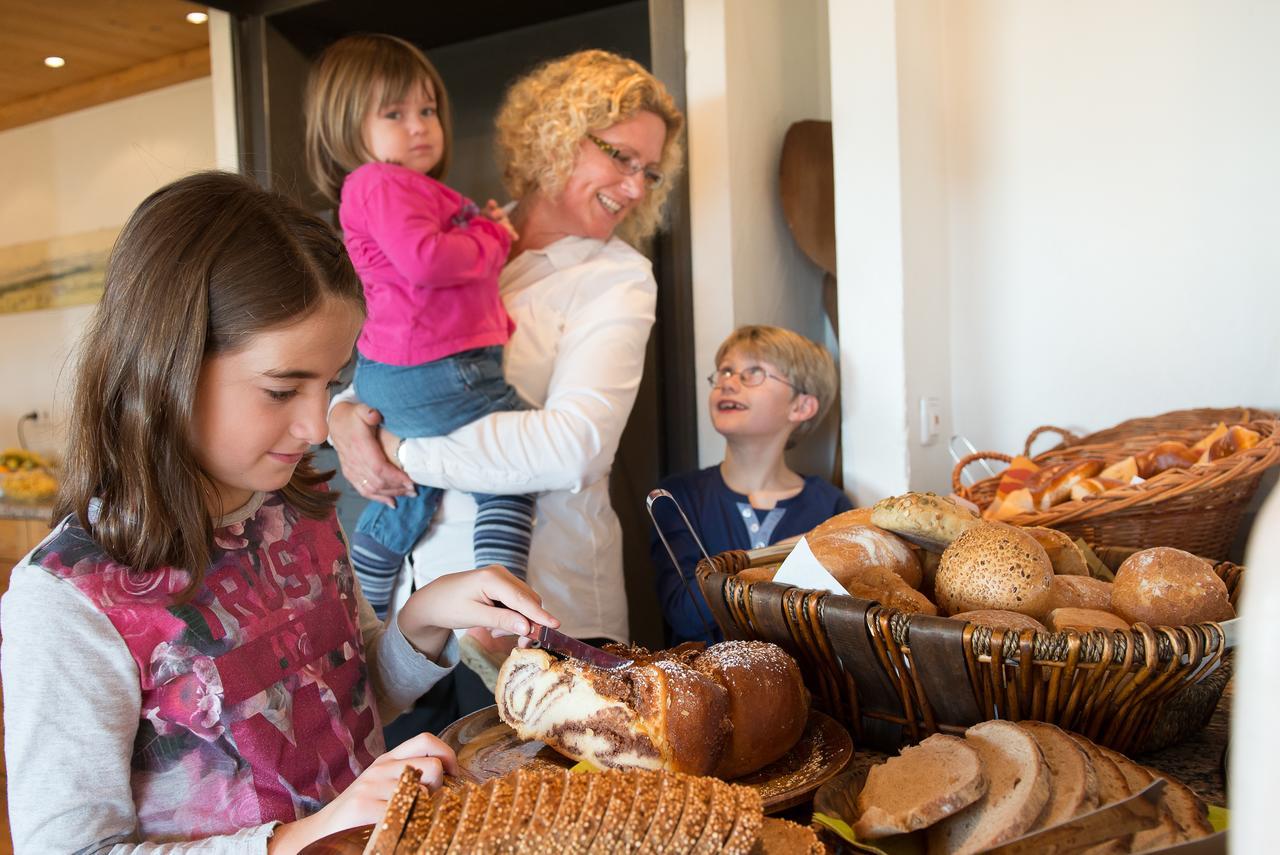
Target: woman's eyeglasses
column 752, row 375
column 628, row 164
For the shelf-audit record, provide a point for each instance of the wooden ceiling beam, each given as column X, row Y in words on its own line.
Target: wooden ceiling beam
column 166, row 71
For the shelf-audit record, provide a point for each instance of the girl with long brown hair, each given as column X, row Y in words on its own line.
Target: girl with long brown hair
column 188, row 656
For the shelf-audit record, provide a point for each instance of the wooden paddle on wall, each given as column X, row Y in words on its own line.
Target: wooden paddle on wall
column 806, row 184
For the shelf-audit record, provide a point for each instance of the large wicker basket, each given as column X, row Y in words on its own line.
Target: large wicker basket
column 1197, row 509
column 893, row 677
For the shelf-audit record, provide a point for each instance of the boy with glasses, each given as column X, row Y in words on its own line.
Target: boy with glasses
column 771, row 386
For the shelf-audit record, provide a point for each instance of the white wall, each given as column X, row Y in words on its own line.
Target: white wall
column 74, row 173
column 1115, row 205
column 754, row 67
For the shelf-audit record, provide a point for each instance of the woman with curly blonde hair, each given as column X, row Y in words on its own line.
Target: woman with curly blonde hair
column 589, row 146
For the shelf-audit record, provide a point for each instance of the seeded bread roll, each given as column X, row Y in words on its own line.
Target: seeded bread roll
column 1168, row 587
column 1080, row 592
column 1064, row 555
column 924, row 518
column 994, row 566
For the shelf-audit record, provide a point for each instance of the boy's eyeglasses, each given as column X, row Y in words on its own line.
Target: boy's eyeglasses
column 628, row 164
column 752, row 375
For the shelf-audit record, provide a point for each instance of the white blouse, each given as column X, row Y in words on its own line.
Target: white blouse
column 583, row 310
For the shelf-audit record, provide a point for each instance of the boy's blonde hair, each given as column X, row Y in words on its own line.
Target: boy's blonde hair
column 803, row 361
column 341, row 91
column 549, row 112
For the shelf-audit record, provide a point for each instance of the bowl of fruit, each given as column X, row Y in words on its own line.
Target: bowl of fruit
column 25, row 476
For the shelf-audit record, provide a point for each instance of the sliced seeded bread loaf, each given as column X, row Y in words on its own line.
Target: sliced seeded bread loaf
column 922, row 785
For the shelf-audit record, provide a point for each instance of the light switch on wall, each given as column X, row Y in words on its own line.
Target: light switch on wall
column 930, row 420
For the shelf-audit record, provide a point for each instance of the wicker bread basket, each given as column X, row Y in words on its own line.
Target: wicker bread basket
column 893, row 677
column 1197, row 509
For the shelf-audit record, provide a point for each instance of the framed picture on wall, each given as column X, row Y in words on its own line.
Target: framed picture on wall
column 49, row 274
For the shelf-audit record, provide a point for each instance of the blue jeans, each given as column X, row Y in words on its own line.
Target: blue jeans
column 432, row 399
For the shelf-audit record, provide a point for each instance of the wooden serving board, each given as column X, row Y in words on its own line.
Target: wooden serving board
column 488, row 748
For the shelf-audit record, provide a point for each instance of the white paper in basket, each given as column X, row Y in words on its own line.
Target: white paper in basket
column 802, row 570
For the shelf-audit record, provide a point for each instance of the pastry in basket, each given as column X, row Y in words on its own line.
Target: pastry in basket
column 727, row 710
column 994, row 566
column 528, row 812
column 1163, row 586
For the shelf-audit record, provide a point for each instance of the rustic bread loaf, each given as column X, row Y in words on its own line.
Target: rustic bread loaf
column 855, row 551
column 1018, row 784
column 923, row 518
column 727, row 710
column 1075, row 783
column 848, row 519
column 994, row 566
column 1064, row 555
column 1084, row 620
column 922, row 785
column 1163, row 586
column 1000, row 619
column 1079, row 592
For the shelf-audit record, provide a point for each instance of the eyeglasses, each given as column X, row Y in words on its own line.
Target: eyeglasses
column 752, row 375
column 628, row 164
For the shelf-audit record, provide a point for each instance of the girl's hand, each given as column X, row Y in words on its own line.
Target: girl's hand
column 494, row 211
column 365, row 801
column 489, row 597
column 353, row 428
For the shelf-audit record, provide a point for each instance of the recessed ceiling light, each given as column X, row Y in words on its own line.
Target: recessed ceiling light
column 54, row 61
column 197, row 17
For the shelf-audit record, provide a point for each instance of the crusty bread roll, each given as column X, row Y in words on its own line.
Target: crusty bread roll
column 922, row 785
column 924, row 518
column 728, row 710
column 848, row 519
column 1018, row 783
column 1080, row 592
column 853, row 549
column 994, row 566
column 1163, row 586
column 999, row 619
column 1083, row 620
column 759, row 574
column 1064, row 555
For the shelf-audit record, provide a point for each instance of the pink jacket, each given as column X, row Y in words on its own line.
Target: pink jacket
column 429, row 263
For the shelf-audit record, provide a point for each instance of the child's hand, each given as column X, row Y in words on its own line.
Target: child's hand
column 489, row 597
column 494, row 211
column 365, row 801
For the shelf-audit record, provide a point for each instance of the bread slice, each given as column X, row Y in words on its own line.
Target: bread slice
column 446, row 809
column 723, row 810
column 387, row 833
column 475, row 805
column 415, row 830
column 1018, row 784
column 537, row 835
column 746, row 826
column 1112, row 787
column 780, row 837
column 1075, row 783
column 494, row 826
column 670, row 811
column 922, row 785
column 1137, row 777
column 693, row 818
column 644, row 808
column 579, row 836
column 1187, row 810
column 622, row 795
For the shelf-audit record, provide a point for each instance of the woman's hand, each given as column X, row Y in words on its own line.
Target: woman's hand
column 490, row 598
column 365, row 801
column 353, row 428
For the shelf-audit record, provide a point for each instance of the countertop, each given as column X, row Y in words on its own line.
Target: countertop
column 13, row 509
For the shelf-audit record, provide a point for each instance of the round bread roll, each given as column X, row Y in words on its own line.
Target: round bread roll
column 883, row 586
column 1164, row 586
column 851, row 549
column 1080, row 592
column 848, row 519
column 759, row 574
column 1000, row 619
column 994, row 566
column 1064, row 555
column 1083, row 620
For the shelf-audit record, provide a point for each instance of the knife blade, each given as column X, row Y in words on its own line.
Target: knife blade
column 1139, row 811
column 557, row 642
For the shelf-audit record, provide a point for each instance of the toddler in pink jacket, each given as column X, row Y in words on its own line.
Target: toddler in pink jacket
column 430, row 352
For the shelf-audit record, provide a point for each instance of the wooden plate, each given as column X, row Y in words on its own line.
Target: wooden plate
column 488, row 748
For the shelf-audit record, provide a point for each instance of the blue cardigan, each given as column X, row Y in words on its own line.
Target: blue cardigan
column 724, row 520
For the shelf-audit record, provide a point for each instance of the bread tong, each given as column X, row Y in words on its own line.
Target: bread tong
column 557, row 642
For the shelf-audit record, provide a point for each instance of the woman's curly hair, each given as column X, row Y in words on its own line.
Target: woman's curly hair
column 547, row 113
